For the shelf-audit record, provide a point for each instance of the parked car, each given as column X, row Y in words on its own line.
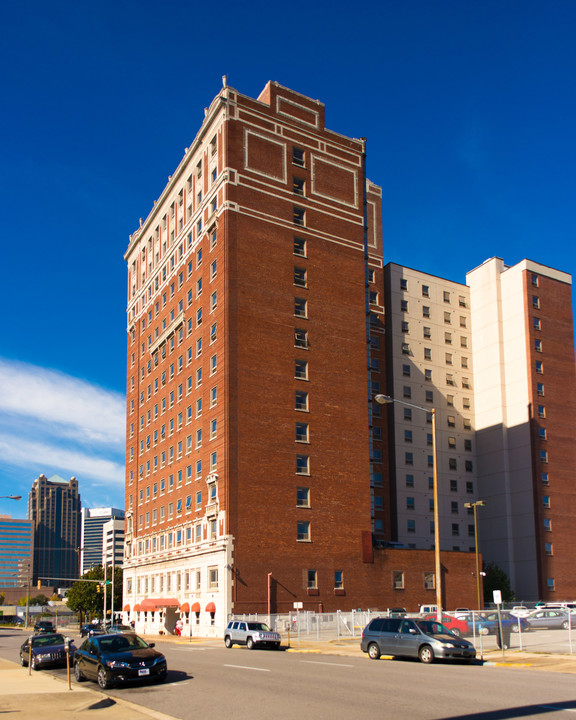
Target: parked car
column 43, row 626
column 428, row 609
column 46, row 650
column 112, row 659
column 424, row 639
column 454, row 624
column 487, row 623
column 91, row 629
column 119, row 629
column 520, row 611
column 461, row 613
column 251, row 634
column 550, row 619
column 396, row 612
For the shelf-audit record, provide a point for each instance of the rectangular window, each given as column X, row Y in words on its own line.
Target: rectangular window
column 302, row 465
column 300, row 338
column 429, row 581
column 301, row 432
column 303, row 531
column 301, row 400
column 300, row 277
column 338, row 580
column 398, row 580
column 298, row 186
column 298, row 157
column 300, row 246
column 300, row 307
column 425, row 291
column 301, row 369
column 299, row 216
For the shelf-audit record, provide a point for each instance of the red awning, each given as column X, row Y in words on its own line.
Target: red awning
column 126, row 608
column 136, row 608
column 185, row 608
column 210, row 607
column 195, row 607
column 151, row 604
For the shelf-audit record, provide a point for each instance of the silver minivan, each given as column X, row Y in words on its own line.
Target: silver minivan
column 423, row 639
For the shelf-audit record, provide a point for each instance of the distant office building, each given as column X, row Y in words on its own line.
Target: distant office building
column 54, row 510
column 92, row 543
column 495, row 360
column 113, row 541
column 16, row 545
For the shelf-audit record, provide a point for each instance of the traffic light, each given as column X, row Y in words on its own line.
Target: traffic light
column 39, row 584
column 98, row 588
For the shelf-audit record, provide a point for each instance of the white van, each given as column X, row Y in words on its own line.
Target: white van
column 428, row 609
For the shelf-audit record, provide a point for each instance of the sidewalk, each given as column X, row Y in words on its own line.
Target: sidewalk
column 33, row 694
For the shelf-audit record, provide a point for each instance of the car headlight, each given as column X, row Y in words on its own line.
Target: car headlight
column 42, row 656
column 447, row 644
column 117, row 664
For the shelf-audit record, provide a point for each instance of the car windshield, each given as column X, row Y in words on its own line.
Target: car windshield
column 46, row 640
column 429, row 627
column 258, row 626
column 121, row 643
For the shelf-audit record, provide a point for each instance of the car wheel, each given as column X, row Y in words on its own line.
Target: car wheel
column 373, row 651
column 484, row 631
column 565, row 625
column 426, row 654
column 161, row 677
column 78, row 673
column 456, row 632
column 103, row 678
column 250, row 644
column 228, row 641
column 515, row 628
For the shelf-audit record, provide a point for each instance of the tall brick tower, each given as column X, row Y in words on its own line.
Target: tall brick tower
column 253, row 303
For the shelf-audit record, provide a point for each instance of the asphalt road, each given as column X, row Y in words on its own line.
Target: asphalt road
column 215, row 683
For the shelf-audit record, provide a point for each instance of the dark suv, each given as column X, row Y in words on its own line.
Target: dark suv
column 423, row 639
column 43, row 626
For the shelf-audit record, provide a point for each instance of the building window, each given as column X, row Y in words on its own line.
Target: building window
column 544, row 456
column 429, row 396
column 403, row 284
column 452, row 463
column 301, row 369
column 300, row 246
column 298, row 157
column 298, row 186
column 409, row 458
column 546, row 501
column 301, row 432
column 425, row 291
column 409, row 480
column 429, row 581
column 410, row 504
column 398, row 580
column 404, row 305
column 408, row 414
column 427, row 353
column 427, row 374
column 405, row 349
column 547, row 525
column 538, row 345
column 540, row 389
column 406, row 370
column 545, row 479
column 542, row 433
column 548, row 549
column 405, row 327
column 303, row 497
column 454, row 507
column 407, row 436
column 338, row 580
column 447, row 318
column 300, row 278
column 539, row 367
column 535, row 302
column 303, row 531
column 301, row 400
column 299, row 216
column 411, row 526
column 302, row 465
column 455, row 530
column 551, row 584
column 312, row 580
column 448, row 358
column 300, row 307
column 537, row 324
column 425, row 311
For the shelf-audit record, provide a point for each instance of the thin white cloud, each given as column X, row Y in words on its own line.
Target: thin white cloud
column 85, row 411
column 16, row 451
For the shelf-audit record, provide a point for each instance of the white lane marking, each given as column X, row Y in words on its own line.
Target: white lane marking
column 246, row 667
column 317, row 662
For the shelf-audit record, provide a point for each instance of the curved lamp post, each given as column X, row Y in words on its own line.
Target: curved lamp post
column 11, row 497
column 385, row 400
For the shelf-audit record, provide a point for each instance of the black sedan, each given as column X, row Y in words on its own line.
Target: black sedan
column 111, row 659
column 91, row 629
column 48, row 650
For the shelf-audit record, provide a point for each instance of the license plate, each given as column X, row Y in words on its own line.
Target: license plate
column 143, row 671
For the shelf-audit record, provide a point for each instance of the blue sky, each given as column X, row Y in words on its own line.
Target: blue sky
column 468, row 107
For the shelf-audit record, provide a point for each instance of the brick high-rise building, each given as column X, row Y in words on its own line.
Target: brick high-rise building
column 253, row 308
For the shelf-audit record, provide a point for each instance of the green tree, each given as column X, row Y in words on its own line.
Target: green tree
column 496, row 579
column 39, row 599
column 87, row 598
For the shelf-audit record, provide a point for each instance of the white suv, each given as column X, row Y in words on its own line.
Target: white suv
column 241, row 632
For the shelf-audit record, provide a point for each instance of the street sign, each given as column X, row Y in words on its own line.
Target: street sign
column 497, row 597
column 298, row 605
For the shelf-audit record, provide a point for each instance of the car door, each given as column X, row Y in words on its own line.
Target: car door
column 408, row 639
column 88, row 659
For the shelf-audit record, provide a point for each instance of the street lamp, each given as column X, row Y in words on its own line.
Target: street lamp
column 478, row 503
column 11, row 497
column 384, row 400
